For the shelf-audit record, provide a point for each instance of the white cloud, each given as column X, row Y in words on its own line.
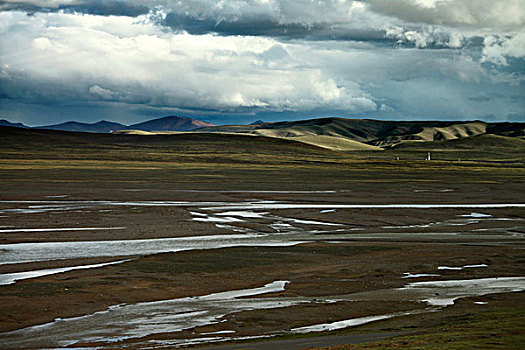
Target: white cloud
column 41, row 43
column 497, row 48
column 427, row 36
column 122, row 59
column 305, row 12
column 101, row 92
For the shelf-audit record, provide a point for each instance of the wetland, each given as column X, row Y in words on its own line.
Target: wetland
column 125, row 241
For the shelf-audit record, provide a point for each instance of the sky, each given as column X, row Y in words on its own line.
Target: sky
column 238, row 61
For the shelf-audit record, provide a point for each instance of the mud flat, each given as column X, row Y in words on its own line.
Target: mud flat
column 124, row 323
column 305, row 269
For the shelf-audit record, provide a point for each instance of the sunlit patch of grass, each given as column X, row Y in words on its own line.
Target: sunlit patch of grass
column 496, row 328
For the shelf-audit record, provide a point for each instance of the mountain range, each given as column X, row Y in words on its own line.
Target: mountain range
column 332, row 133
column 169, row 123
column 102, row 126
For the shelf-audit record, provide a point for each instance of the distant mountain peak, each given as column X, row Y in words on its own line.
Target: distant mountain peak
column 170, row 123
column 104, row 122
column 102, row 126
column 4, row 122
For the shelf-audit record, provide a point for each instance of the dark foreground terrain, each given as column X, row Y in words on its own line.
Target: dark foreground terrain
column 298, row 236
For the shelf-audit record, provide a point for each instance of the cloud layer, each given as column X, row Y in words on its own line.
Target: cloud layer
column 236, row 60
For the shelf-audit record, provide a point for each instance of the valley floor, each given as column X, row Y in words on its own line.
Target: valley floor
column 138, row 246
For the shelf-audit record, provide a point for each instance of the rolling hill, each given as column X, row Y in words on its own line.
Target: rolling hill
column 365, row 134
column 402, row 140
column 194, row 147
column 337, row 134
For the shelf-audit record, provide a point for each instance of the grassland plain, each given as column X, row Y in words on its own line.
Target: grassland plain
column 236, row 162
column 50, row 165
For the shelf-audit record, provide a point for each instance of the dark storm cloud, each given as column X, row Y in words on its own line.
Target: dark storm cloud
column 94, row 7
column 108, row 8
column 245, row 26
column 269, row 27
column 499, row 14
